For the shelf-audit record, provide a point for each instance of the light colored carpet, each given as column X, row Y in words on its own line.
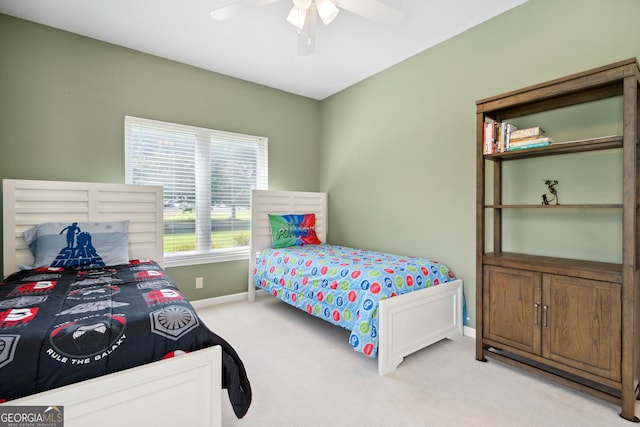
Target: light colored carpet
column 304, row 373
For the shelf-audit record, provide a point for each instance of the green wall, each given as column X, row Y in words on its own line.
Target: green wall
column 396, row 151
column 63, row 99
column 398, row 155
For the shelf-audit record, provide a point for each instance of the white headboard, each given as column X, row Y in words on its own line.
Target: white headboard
column 264, row 202
column 27, row 203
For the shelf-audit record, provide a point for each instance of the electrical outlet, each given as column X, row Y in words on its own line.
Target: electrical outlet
column 199, row 282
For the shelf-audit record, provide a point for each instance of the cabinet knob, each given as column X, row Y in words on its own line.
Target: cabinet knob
column 545, row 309
column 536, row 309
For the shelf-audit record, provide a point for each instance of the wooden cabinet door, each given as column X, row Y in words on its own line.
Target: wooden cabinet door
column 581, row 324
column 511, row 307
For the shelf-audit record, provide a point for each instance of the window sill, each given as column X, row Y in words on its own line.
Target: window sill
column 195, row 258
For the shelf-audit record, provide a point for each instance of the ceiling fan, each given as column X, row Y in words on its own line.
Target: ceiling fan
column 304, row 13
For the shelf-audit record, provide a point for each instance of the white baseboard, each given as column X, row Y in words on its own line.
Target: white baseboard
column 469, row 332
column 241, row 296
column 208, row 302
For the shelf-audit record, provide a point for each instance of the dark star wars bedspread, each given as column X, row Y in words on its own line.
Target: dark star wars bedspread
column 60, row 326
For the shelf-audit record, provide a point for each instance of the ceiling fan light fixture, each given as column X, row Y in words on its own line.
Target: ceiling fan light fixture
column 327, row 10
column 297, row 17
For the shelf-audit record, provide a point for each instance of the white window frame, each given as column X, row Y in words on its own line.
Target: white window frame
column 203, row 254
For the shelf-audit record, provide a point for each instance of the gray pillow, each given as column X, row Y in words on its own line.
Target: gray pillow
column 71, row 244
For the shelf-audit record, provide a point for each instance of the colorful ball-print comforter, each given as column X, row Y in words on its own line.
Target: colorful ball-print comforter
column 344, row 285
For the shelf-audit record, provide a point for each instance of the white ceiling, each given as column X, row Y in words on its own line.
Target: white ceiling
column 259, row 45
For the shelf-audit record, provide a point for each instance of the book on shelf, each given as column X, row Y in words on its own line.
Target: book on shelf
column 524, row 140
column 541, row 143
column 496, row 137
column 532, row 132
column 488, row 138
column 499, row 137
column 531, row 141
column 507, row 130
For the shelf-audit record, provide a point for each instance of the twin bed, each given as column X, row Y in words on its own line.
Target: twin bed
column 392, row 305
column 63, row 329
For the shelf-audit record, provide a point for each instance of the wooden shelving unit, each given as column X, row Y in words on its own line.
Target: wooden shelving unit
column 532, row 310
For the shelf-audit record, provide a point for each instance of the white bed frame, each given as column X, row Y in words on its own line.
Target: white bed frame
column 407, row 323
column 184, row 390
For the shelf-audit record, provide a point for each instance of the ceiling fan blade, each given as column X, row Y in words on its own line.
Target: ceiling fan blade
column 373, row 10
column 227, row 12
column 307, row 35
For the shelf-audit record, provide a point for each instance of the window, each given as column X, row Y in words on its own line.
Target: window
column 207, row 177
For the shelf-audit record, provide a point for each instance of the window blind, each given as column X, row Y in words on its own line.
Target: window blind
column 207, row 176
